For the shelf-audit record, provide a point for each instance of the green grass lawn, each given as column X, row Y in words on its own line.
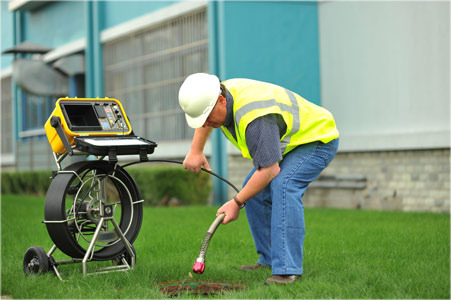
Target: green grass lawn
column 348, row 254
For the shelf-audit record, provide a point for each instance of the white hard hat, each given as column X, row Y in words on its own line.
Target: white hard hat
column 197, row 97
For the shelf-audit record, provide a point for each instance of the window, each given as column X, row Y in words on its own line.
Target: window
column 144, row 71
column 36, row 110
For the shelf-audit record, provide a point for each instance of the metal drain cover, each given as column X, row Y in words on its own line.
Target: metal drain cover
column 205, row 288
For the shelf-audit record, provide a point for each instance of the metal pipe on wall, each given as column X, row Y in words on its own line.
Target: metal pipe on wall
column 93, row 51
column 217, row 66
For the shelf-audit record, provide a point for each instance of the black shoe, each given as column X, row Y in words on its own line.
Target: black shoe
column 282, row 279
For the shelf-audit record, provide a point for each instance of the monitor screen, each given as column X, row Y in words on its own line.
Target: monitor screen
column 81, row 117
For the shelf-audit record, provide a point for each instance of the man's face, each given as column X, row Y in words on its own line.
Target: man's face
column 218, row 114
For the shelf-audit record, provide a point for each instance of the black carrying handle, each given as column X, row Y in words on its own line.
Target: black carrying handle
column 56, row 123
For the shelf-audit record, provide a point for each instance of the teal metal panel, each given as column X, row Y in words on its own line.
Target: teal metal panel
column 89, row 51
column 219, row 166
column 265, row 40
column 275, row 42
column 24, row 25
column 20, row 24
column 213, row 55
column 93, row 51
column 216, row 65
column 97, row 49
column 19, row 35
column 15, row 90
column 57, row 23
column 222, row 46
column 117, row 12
column 72, row 87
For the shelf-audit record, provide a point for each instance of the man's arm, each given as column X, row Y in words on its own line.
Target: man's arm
column 258, row 181
column 263, row 141
column 195, row 158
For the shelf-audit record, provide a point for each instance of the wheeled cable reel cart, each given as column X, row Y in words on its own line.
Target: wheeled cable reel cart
column 93, row 209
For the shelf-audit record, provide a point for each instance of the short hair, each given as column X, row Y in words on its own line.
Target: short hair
column 223, row 90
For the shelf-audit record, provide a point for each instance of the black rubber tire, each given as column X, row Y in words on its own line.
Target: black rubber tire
column 55, row 210
column 35, row 261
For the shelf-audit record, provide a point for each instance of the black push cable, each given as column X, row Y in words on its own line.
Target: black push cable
column 181, row 163
column 199, row 264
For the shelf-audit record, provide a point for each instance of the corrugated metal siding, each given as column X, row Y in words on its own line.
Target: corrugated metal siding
column 7, row 117
column 34, row 154
column 145, row 70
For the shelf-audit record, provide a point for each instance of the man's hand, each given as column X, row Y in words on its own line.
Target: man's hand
column 194, row 161
column 231, row 210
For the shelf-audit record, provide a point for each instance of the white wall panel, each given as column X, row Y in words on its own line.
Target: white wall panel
column 385, row 72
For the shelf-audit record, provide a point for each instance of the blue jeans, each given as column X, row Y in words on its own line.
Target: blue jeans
column 276, row 214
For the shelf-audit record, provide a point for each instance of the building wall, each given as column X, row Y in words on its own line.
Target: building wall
column 406, row 180
column 239, row 168
column 56, row 24
column 7, row 122
column 66, row 20
column 254, row 39
column 68, row 37
column 385, row 72
column 34, row 153
column 271, row 41
column 117, row 12
column 145, row 69
column 412, row 180
column 382, row 68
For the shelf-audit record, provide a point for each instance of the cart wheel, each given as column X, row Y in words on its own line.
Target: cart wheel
column 118, row 260
column 79, row 198
column 35, row 261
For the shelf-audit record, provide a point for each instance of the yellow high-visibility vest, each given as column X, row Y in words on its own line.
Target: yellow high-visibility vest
column 306, row 122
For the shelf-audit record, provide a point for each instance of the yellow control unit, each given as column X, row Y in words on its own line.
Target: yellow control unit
column 85, row 117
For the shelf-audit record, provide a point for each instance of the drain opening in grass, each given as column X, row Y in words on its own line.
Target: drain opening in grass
column 205, row 288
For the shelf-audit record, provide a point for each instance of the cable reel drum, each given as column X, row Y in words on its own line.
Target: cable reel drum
column 88, row 192
column 93, row 209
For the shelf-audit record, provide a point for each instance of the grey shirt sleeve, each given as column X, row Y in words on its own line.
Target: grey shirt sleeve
column 263, row 140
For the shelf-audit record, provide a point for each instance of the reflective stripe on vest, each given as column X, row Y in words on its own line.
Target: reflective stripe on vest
column 293, row 109
column 317, row 123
